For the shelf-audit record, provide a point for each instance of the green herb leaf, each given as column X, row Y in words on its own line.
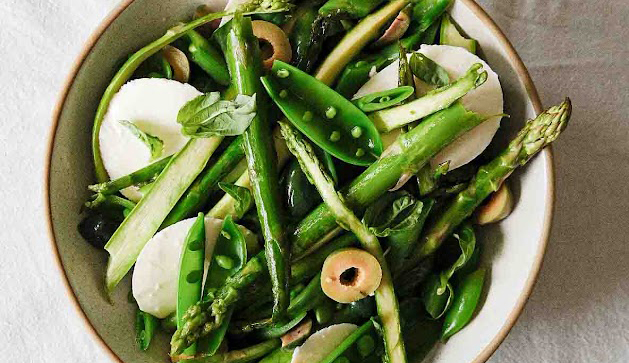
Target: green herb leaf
column 436, row 304
column 207, row 115
column 392, row 213
column 428, row 71
column 398, row 217
column 242, row 195
column 467, row 243
column 154, row 143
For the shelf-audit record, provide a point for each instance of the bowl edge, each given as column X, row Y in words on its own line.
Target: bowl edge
column 514, row 59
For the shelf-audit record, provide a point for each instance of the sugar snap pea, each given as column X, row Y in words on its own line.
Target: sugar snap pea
column 145, row 326
column 229, row 256
column 327, row 118
column 384, row 99
column 466, row 299
column 191, row 272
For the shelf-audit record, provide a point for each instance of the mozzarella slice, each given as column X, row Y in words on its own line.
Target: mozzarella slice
column 151, row 104
column 156, row 272
column 322, row 343
column 486, row 100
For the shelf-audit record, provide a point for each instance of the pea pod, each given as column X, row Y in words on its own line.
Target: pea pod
column 327, row 118
column 145, row 326
column 467, row 295
column 384, row 99
column 229, row 256
column 191, row 272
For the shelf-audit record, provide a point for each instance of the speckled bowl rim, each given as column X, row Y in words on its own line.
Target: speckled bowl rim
column 514, row 60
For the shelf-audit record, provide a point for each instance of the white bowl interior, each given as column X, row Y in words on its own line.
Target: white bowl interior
column 512, row 251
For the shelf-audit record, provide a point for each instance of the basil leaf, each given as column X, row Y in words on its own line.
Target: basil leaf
column 436, row 304
column 467, row 243
column 154, row 143
column 242, row 195
column 207, row 115
column 428, row 71
column 384, row 216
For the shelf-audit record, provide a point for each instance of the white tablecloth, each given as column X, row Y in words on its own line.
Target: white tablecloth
column 579, row 311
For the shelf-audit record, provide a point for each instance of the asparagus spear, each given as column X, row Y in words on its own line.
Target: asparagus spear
column 244, row 355
column 531, row 139
column 244, row 62
column 385, row 296
column 409, row 153
column 206, row 316
column 207, row 57
column 350, row 45
column 200, row 191
column 144, row 175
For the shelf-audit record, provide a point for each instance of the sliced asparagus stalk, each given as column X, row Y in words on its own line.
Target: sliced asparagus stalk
column 200, row 191
column 144, row 220
column 385, row 296
column 533, row 137
column 395, row 117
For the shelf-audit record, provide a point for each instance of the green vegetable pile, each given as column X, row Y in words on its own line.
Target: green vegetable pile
column 342, row 189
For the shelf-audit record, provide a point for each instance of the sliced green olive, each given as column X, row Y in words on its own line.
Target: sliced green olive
column 349, row 275
column 328, row 119
column 498, row 206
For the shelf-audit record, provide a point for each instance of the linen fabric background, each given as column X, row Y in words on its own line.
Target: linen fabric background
column 579, row 310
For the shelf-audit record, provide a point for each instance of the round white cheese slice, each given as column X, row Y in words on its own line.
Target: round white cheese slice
column 156, row 272
column 322, row 343
column 152, row 105
column 487, row 100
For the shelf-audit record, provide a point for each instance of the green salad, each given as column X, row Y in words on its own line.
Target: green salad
column 303, row 181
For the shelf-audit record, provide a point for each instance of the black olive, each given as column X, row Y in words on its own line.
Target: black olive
column 97, row 229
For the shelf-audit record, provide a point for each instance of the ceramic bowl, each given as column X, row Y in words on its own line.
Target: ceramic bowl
column 514, row 248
